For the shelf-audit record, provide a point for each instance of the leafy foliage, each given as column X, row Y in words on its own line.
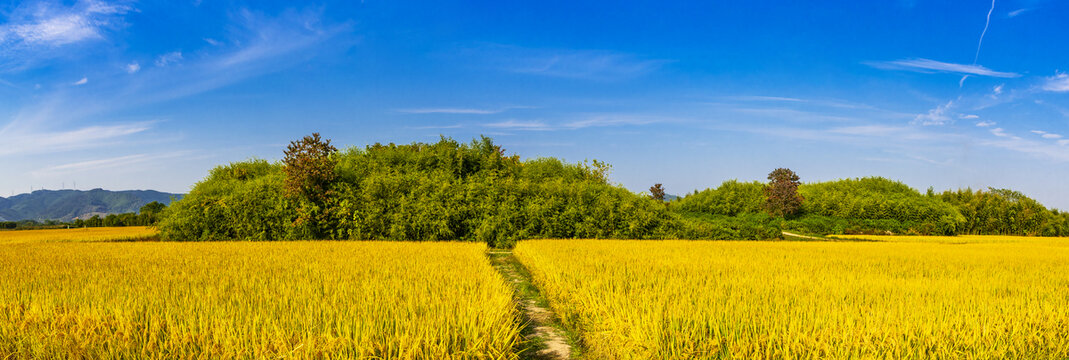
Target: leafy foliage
column 440, row 191
column 657, row 192
column 732, row 198
column 1005, row 212
column 874, row 205
column 781, row 194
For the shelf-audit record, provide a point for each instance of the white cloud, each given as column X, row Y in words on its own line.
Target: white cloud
column 936, row 116
column 133, row 67
column 56, row 31
column 462, row 111
column 998, row 89
column 44, row 24
column 107, row 163
column 927, row 65
column 986, row 124
column 968, row 116
column 169, row 58
column 449, row 111
column 981, row 43
column 1054, row 151
column 83, row 81
column 566, row 63
column 1057, row 83
column 612, row 120
column 212, row 42
column 436, row 127
column 1046, row 135
column 1016, row 12
column 520, row 125
column 999, row 132
column 28, row 142
column 765, row 98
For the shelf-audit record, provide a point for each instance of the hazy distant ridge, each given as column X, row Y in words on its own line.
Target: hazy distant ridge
column 67, row 205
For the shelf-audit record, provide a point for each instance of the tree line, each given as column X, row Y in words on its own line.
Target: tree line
column 474, row 191
column 875, row 205
column 147, row 215
column 440, row 191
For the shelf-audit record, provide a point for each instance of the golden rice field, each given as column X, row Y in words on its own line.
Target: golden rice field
column 807, row 300
column 77, row 234
column 960, row 239
column 337, row 300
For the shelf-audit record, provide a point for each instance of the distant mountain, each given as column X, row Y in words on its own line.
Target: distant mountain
column 66, row 205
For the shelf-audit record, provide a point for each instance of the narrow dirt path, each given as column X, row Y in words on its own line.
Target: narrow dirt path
column 544, row 337
column 801, row 236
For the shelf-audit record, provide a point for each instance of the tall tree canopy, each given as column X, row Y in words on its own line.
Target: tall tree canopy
column 309, row 168
column 657, row 192
column 781, row 194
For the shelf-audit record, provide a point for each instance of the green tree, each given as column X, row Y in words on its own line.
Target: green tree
column 781, row 194
column 150, row 212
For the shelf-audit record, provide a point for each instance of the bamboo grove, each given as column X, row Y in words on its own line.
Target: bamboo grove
column 476, row 192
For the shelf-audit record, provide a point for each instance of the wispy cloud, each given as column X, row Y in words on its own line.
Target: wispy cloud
column 986, row 24
column 986, row 123
column 1001, row 133
column 524, row 125
column 436, row 127
column 81, row 81
column 968, row 116
column 567, row 63
column 1046, row 135
column 928, row 66
column 583, row 122
column 169, row 58
column 765, row 98
column 34, row 30
column 273, row 36
column 613, row 120
column 1057, row 83
column 52, row 26
column 1053, row 150
column 259, row 44
column 1017, row 12
column 21, row 141
column 133, row 67
column 33, row 128
column 937, row 116
column 461, row 111
column 450, row 111
column 107, row 163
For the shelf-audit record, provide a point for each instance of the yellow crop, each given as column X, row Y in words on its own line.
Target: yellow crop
column 253, row 300
column 809, row 300
column 77, row 234
column 960, row 239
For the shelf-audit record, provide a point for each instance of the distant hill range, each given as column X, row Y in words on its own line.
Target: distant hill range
column 67, row 205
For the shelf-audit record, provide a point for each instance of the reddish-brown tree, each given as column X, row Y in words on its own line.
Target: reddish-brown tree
column 781, row 194
column 309, row 168
column 657, row 192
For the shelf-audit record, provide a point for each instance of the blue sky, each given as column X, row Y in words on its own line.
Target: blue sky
column 151, row 95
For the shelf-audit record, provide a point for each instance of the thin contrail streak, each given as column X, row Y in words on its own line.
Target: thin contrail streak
column 977, row 57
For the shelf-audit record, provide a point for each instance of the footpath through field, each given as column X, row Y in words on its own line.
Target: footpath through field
column 801, row 236
column 544, row 337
